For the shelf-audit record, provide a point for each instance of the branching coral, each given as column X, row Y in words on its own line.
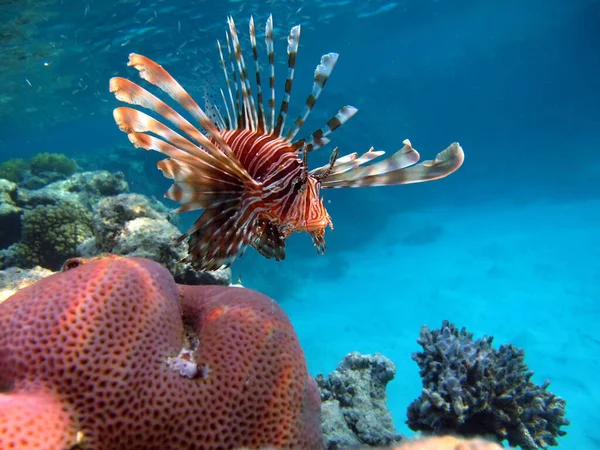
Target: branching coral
column 470, row 388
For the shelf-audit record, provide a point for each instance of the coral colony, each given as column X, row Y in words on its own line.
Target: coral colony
column 470, row 388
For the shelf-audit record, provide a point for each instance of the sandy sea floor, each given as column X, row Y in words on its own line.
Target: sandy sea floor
column 528, row 274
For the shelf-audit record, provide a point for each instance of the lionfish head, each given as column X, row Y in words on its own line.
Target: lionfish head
column 317, row 218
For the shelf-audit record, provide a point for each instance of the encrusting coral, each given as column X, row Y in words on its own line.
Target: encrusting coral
column 470, row 388
column 136, row 361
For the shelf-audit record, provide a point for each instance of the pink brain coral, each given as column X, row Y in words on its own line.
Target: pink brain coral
column 110, row 350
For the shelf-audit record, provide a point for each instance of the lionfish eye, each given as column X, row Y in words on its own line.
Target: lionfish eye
column 300, row 183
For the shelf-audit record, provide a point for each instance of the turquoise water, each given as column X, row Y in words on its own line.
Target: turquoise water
column 508, row 246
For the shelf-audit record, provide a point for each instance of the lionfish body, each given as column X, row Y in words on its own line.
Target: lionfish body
column 245, row 170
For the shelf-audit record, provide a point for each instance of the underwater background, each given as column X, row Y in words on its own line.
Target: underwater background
column 508, row 246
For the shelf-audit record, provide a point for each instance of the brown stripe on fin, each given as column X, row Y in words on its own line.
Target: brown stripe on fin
column 259, row 96
column 347, row 163
column 131, row 120
column 292, row 51
column 322, row 73
column 317, row 139
column 156, row 75
column 238, row 104
column 203, row 168
column 271, row 55
column 269, row 242
column 247, row 98
column 130, row 92
column 394, row 170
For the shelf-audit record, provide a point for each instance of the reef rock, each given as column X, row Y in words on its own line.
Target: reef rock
column 132, row 225
column 14, row 279
column 354, row 411
column 84, row 188
column 86, row 215
column 470, row 388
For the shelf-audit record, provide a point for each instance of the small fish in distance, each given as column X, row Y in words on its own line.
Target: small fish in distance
column 242, row 167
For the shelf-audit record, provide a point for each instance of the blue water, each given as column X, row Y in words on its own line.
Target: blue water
column 507, row 246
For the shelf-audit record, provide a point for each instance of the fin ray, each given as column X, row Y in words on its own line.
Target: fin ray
column 322, row 73
column 397, row 170
column 292, row 50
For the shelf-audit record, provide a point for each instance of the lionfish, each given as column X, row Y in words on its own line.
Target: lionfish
column 246, row 171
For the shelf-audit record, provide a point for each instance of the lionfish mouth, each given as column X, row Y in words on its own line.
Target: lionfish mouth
column 241, row 166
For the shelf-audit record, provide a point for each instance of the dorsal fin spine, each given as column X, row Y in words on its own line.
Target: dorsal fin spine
column 247, row 98
column 271, row 55
column 232, row 119
column 238, row 109
column 292, row 51
column 322, row 73
column 259, row 96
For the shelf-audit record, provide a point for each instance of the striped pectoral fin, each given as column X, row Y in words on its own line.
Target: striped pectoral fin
column 207, row 250
column 398, row 169
column 129, row 119
column 221, row 234
column 155, row 74
column 269, row 242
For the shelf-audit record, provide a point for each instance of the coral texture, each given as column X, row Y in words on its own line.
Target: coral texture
column 52, row 162
column 44, row 226
column 470, row 388
column 42, row 169
column 35, row 421
column 142, row 363
column 50, row 234
column 354, row 410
